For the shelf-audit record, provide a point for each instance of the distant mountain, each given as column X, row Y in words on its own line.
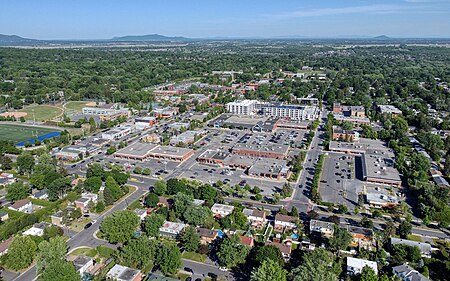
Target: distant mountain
column 148, row 37
column 14, row 39
column 382, row 37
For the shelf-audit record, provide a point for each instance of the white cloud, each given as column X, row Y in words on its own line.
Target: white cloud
column 373, row 9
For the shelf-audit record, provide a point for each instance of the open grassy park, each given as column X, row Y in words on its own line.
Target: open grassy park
column 17, row 133
column 42, row 112
column 74, row 107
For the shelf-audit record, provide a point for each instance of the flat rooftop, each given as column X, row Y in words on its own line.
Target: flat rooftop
column 214, row 154
column 240, row 160
column 268, row 165
column 223, row 207
column 139, row 149
column 380, row 166
column 165, row 150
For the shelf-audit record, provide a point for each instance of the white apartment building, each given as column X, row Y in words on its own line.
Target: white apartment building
column 293, row 112
column 244, row 107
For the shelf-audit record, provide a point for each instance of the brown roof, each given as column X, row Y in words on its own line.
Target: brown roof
column 20, row 203
column 165, row 201
column 259, row 214
column 247, row 241
column 280, row 217
column 5, row 245
column 209, row 233
column 285, row 249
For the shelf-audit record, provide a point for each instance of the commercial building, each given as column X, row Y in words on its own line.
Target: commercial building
column 269, row 168
column 344, row 135
column 165, row 112
column 270, row 150
column 378, row 167
column 171, row 229
column 389, row 110
column 293, row 112
column 143, row 123
column 107, row 114
column 355, row 266
column 381, row 200
column 407, row 273
column 186, row 137
column 123, row 273
column 349, row 111
column 244, row 107
column 142, row 151
column 425, row 248
column 221, row 210
column 117, row 133
column 73, row 152
column 324, row 228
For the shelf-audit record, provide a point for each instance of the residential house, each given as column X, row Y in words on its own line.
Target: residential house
column 4, row 215
column 355, row 266
column 58, row 217
column 4, row 246
column 324, row 228
column 407, row 273
column 24, row 206
column 285, row 222
column 6, row 178
column 362, row 237
column 207, row 235
column 83, row 264
column 256, row 218
column 165, row 202
column 83, row 202
column 41, row 194
column 123, row 273
column 247, row 241
column 285, row 249
column 171, row 229
column 425, row 248
column 221, row 210
column 37, row 229
column 142, row 214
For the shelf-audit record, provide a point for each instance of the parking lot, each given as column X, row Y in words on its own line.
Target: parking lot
column 337, row 183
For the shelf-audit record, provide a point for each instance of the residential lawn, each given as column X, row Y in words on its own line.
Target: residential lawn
column 17, row 133
column 42, row 112
column 85, row 251
column 79, row 224
column 13, row 214
column 193, row 256
column 40, row 202
column 104, row 252
column 415, row 238
column 135, row 205
column 74, row 107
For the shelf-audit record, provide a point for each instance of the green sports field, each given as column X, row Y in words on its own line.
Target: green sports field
column 17, row 133
column 74, row 107
column 42, row 112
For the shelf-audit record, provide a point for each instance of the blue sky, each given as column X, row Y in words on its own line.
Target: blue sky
column 101, row 19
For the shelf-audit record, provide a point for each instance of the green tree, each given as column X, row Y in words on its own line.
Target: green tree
column 340, row 240
column 366, row 222
column 95, row 170
column 25, row 163
column 168, row 257
column 232, row 252
column 199, row 216
column 111, row 150
column 93, row 184
column 160, row 187
column 152, row 224
column 404, row 229
column 58, row 188
column 138, row 253
column 21, row 253
column 367, row 274
column 17, row 191
column 50, row 252
column 151, row 200
column 119, row 226
column 190, row 239
column 112, row 191
column 60, row 270
column 269, row 270
column 52, row 231
column 183, row 202
column 316, row 265
column 259, row 254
